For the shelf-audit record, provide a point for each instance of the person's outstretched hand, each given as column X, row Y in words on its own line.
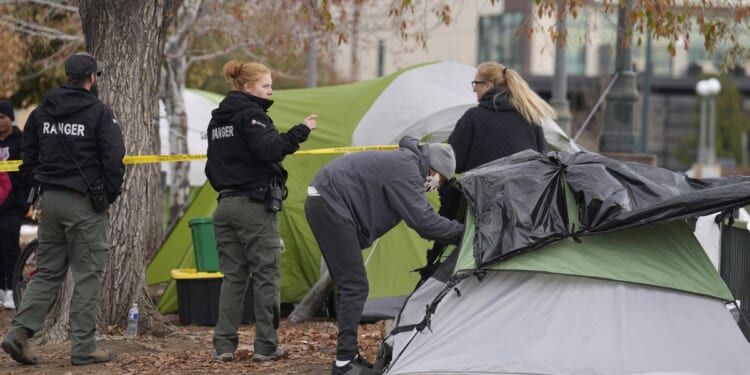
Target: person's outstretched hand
column 311, row 121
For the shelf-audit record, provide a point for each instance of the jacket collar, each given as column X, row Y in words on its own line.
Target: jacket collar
column 496, row 99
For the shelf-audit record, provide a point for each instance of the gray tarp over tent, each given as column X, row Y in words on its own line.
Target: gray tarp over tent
column 576, row 264
column 519, row 203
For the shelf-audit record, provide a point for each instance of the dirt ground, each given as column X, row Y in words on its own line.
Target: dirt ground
column 310, row 347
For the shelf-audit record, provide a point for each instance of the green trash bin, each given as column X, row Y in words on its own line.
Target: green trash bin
column 204, row 244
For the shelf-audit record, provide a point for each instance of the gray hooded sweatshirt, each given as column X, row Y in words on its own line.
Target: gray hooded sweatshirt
column 375, row 190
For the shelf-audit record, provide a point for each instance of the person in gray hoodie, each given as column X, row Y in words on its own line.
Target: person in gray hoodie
column 357, row 198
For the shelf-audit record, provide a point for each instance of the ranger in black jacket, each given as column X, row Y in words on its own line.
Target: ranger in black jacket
column 73, row 150
column 244, row 165
column 72, row 130
column 244, row 148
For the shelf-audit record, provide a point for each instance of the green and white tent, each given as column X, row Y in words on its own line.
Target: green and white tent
column 423, row 101
column 576, row 264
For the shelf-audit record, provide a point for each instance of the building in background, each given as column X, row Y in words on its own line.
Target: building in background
column 481, row 31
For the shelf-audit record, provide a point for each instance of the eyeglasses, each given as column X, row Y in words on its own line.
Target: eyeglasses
column 475, row 83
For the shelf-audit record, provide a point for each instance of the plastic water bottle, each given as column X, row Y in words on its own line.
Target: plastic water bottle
column 132, row 330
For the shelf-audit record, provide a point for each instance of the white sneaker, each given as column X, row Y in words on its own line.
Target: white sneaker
column 8, row 300
column 2, row 297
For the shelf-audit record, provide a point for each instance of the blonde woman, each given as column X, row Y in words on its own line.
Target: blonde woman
column 507, row 119
column 244, row 165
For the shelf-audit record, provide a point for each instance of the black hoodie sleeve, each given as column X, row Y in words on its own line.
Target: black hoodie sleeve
column 111, row 151
column 29, row 149
column 461, row 140
column 267, row 144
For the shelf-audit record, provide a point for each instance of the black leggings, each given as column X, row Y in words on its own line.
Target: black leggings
column 339, row 245
column 10, row 230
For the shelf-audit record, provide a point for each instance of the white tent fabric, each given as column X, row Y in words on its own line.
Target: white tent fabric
column 535, row 323
column 708, row 234
column 198, row 109
column 429, row 100
column 425, row 100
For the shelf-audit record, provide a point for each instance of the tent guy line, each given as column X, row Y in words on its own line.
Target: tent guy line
column 12, row 165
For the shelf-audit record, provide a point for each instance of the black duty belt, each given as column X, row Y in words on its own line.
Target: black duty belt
column 238, row 193
column 257, row 195
column 52, row 187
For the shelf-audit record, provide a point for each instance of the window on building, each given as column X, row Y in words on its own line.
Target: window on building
column 575, row 45
column 605, row 30
column 498, row 40
column 661, row 59
column 697, row 54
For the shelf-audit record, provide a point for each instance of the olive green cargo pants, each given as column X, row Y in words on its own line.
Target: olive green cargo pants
column 71, row 234
column 249, row 248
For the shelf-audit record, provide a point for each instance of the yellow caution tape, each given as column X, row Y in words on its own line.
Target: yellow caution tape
column 341, row 150
column 12, row 165
column 146, row 159
column 9, row 165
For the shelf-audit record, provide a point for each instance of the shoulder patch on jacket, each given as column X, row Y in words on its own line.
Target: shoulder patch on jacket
column 255, row 122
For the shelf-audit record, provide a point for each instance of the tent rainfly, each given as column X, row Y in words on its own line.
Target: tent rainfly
column 575, row 264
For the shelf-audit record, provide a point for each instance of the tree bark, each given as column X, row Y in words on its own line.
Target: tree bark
column 127, row 38
column 171, row 93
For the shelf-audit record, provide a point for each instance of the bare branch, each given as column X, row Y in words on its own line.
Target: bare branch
column 58, row 4
column 34, row 29
column 208, row 56
column 52, row 61
column 186, row 17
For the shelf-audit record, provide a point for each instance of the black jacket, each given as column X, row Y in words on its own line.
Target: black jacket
column 493, row 130
column 15, row 204
column 244, row 148
column 72, row 125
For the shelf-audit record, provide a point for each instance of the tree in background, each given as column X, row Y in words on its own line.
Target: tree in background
column 731, row 123
column 127, row 38
column 719, row 22
column 36, row 39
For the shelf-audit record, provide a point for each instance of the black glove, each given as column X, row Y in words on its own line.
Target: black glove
column 450, row 197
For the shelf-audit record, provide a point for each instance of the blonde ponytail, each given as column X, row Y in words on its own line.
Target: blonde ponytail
column 532, row 107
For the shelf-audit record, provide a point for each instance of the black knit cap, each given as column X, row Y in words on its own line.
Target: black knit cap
column 80, row 65
column 6, row 108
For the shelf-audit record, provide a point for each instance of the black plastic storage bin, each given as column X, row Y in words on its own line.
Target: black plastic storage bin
column 198, row 297
column 735, row 266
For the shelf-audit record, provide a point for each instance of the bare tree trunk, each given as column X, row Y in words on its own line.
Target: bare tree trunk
column 171, row 93
column 354, row 41
column 127, row 38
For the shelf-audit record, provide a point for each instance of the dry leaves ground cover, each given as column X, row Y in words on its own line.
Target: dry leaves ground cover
column 310, row 347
